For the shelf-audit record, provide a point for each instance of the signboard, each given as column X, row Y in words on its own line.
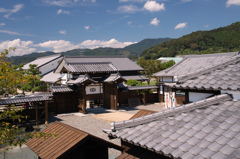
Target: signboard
column 170, row 100
column 94, row 89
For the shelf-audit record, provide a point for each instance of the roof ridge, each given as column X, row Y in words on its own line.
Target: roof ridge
column 169, row 112
column 214, row 54
column 232, row 54
column 207, row 69
column 90, row 62
column 169, row 69
column 47, row 56
column 109, row 56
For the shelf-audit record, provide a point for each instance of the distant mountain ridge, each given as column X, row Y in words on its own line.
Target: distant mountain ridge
column 132, row 51
column 223, row 39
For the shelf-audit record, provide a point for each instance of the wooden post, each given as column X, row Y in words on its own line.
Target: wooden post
column 104, row 95
column 186, row 96
column 116, row 97
column 158, row 94
column 84, row 100
column 144, row 98
column 46, row 112
column 36, row 108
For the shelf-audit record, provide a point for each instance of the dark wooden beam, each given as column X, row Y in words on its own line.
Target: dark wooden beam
column 46, row 112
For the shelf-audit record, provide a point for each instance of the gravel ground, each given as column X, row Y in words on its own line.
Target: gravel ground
column 90, row 125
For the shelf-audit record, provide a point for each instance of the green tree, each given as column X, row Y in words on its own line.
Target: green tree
column 33, row 79
column 150, row 66
column 10, row 133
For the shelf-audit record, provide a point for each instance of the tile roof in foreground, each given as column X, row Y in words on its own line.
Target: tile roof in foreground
column 193, row 63
column 224, row 76
column 205, row 129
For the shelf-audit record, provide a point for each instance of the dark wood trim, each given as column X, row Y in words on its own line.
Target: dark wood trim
column 46, row 112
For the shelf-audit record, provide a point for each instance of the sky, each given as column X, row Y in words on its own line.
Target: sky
column 62, row 25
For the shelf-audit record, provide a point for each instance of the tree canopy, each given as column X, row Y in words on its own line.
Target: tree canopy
column 224, row 39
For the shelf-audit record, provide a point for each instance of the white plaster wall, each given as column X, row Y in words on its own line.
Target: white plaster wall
column 94, row 89
column 235, row 94
column 50, row 66
column 65, row 77
column 194, row 97
column 167, row 79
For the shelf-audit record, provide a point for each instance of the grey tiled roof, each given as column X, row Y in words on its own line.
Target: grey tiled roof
column 81, row 79
column 119, row 62
column 141, row 87
column 51, row 77
column 206, row 129
column 192, row 63
column 57, row 89
column 114, row 77
column 90, row 67
column 224, row 76
column 24, row 99
column 136, row 77
column 42, row 60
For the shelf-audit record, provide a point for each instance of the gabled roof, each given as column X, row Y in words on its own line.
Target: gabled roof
column 119, row 62
column 42, row 61
column 114, row 77
column 193, row 63
column 205, row 129
column 223, row 76
column 81, row 79
column 68, row 139
column 57, row 89
column 51, row 77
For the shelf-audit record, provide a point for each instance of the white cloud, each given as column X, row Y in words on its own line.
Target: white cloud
column 181, row 26
column 26, row 47
column 128, row 9
column 232, row 2
column 184, row 1
column 66, row 3
column 155, row 22
column 22, row 47
column 59, row 45
column 101, row 43
column 206, row 26
column 153, row 6
column 87, row 27
column 130, row 22
column 132, row 0
column 15, row 33
column 9, row 12
column 2, row 24
column 62, row 32
column 60, row 11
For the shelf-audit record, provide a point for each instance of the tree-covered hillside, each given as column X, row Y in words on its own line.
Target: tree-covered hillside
column 224, row 39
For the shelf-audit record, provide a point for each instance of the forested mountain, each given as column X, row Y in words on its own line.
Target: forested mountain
column 224, row 39
column 132, row 51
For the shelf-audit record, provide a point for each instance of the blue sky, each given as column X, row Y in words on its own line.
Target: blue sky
column 61, row 25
